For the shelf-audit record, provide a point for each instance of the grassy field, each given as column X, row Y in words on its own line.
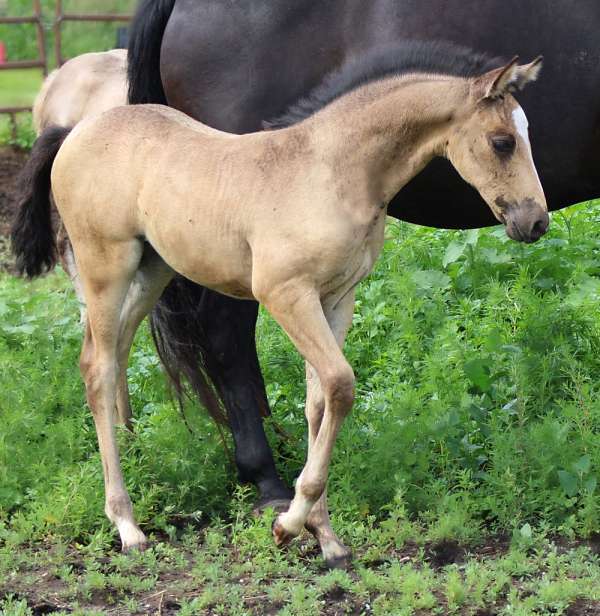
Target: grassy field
column 465, row 479
column 19, row 88
column 77, row 38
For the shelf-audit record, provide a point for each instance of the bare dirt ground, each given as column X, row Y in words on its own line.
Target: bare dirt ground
column 42, row 584
column 11, row 162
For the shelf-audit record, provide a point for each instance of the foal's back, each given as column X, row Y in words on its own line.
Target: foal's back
column 150, row 172
column 208, row 202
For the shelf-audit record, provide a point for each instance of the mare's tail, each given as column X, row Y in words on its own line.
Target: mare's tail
column 143, row 56
column 33, row 238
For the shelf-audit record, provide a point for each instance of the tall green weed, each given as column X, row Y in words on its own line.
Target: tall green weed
column 477, row 399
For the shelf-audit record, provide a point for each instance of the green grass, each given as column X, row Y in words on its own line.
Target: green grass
column 475, row 434
column 77, row 38
column 19, row 88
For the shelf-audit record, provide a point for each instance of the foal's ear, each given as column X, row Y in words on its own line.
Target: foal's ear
column 509, row 78
column 529, row 72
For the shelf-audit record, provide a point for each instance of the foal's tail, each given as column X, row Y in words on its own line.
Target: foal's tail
column 33, row 238
column 143, row 56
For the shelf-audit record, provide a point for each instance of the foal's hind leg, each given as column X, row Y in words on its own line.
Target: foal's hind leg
column 149, row 281
column 106, row 272
column 335, row 553
column 67, row 260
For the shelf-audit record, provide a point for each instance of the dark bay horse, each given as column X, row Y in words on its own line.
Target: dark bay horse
column 294, row 218
column 234, row 65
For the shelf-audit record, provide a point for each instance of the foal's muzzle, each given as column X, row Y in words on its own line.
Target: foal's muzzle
column 526, row 222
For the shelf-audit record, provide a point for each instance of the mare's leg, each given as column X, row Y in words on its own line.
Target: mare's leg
column 335, row 553
column 240, row 381
column 106, row 272
column 297, row 308
column 200, row 327
column 150, row 279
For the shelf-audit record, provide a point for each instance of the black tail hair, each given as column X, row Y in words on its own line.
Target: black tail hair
column 192, row 358
column 32, row 235
column 182, row 345
column 143, row 59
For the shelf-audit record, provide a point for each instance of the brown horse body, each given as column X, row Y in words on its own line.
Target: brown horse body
column 293, row 218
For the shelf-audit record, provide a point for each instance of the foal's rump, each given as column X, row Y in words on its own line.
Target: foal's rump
column 150, row 172
column 84, row 86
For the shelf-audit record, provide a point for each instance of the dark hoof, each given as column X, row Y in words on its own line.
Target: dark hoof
column 135, row 549
column 279, row 505
column 343, row 562
column 281, row 536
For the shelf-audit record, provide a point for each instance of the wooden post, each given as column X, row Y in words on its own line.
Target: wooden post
column 13, row 126
column 57, row 33
column 41, row 38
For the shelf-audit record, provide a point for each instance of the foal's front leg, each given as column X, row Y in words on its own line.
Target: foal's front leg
column 298, row 310
column 336, row 554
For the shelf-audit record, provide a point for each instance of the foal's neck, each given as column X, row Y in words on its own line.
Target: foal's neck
column 384, row 134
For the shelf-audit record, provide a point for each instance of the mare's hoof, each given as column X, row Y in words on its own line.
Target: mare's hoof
column 279, row 505
column 282, row 537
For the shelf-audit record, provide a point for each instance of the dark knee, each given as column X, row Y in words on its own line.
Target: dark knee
column 118, row 506
column 319, row 408
column 92, row 381
column 85, row 365
column 96, row 377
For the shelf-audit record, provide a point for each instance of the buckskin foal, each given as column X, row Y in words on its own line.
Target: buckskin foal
column 293, row 218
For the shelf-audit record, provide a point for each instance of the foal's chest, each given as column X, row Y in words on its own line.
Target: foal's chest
column 361, row 253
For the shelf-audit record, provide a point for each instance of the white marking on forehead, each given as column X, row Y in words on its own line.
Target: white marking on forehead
column 522, row 126
column 521, row 123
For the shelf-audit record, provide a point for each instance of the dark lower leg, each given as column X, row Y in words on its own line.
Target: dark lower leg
column 243, row 391
column 253, row 455
column 201, row 332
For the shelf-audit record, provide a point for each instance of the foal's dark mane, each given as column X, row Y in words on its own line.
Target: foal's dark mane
column 428, row 57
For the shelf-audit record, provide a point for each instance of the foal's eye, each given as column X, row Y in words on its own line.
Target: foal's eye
column 504, row 144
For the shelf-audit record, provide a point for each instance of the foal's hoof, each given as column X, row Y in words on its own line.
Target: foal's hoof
column 280, row 534
column 336, row 554
column 133, row 541
column 135, row 548
column 339, row 561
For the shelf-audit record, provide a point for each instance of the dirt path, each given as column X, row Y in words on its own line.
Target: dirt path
column 11, row 162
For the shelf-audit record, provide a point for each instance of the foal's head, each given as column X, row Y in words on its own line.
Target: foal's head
column 489, row 146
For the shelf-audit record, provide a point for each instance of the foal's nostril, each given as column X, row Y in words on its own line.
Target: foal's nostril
column 540, row 227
